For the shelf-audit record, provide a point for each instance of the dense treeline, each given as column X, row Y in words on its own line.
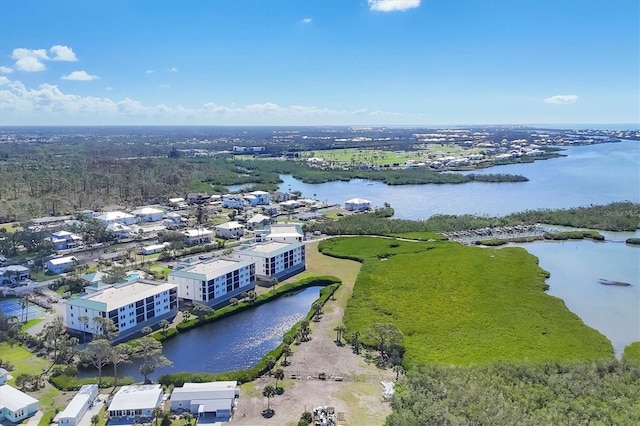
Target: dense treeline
column 621, row 216
column 605, row 392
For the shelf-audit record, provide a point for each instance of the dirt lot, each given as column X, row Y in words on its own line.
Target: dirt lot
column 358, row 395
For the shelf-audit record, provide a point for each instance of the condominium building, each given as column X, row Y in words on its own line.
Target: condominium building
column 274, row 259
column 214, row 281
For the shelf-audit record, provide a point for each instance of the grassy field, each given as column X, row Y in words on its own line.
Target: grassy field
column 11, row 227
column 381, row 157
column 463, row 305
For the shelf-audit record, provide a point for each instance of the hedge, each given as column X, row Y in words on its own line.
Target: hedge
column 72, row 383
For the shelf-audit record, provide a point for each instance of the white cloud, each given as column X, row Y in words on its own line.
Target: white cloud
column 306, row 21
column 149, row 71
column 47, row 104
column 392, row 5
column 173, row 69
column 29, row 60
column 5, row 70
column 80, row 76
column 561, row 99
column 62, row 53
column 109, row 88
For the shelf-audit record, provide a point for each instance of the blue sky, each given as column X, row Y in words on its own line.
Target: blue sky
column 319, row 62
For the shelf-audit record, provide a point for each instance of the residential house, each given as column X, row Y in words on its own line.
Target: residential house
column 197, row 197
column 280, row 196
column 148, row 214
column 135, row 403
column 271, row 209
column 64, row 240
column 119, row 230
column 263, row 198
column 61, row 264
column 357, row 204
column 274, row 259
column 15, row 405
column 290, row 204
column 153, row 248
column 116, row 217
column 131, row 306
column 229, row 230
column 198, row 236
column 78, row 406
column 233, row 201
column 13, row 275
column 213, row 281
column 209, row 402
column 259, row 221
column 285, row 232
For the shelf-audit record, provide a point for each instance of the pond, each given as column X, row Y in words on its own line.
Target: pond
column 233, row 343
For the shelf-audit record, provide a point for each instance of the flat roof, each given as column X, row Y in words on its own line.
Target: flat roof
column 268, row 249
column 210, row 269
column 62, row 260
column 229, row 225
column 286, row 229
column 85, row 394
column 14, row 399
column 119, row 295
column 136, row 397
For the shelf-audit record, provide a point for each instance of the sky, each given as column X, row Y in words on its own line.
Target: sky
column 319, row 62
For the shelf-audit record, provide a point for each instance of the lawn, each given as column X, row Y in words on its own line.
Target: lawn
column 23, row 360
column 11, row 227
column 463, row 305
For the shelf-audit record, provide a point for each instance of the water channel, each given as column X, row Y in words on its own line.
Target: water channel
column 233, row 343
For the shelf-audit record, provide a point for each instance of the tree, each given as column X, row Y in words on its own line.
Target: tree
column 104, row 328
column 186, row 315
column 156, row 413
column 233, row 301
column 269, row 392
column 24, row 304
column 252, row 296
column 95, row 419
column 286, row 352
column 149, row 350
column 317, row 310
column 339, row 330
column 84, row 321
column 146, row 331
column 305, row 330
column 98, row 354
column 164, row 325
column 278, row 375
column 274, row 282
column 271, row 362
column 305, row 419
column 385, row 335
column 120, row 354
column 202, row 310
column 53, row 336
column 355, row 342
column 398, row 370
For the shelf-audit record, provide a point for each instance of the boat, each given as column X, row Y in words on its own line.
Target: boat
column 614, row 283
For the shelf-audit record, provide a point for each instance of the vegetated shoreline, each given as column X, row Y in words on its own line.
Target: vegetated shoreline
column 549, row 236
column 479, row 306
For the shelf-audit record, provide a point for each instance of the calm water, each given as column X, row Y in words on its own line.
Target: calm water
column 233, row 343
column 576, row 267
column 596, row 174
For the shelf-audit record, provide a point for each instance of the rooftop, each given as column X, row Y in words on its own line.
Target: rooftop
column 210, row 269
column 136, row 397
column 62, row 260
column 85, row 393
column 267, row 249
column 119, row 295
column 230, row 225
column 358, row 201
column 14, row 399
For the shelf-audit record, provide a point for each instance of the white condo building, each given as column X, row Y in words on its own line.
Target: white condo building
column 214, row 281
column 131, row 306
column 274, row 259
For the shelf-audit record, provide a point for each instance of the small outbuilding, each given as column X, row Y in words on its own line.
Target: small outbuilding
column 61, row 264
column 78, row 406
column 213, row 400
column 357, row 204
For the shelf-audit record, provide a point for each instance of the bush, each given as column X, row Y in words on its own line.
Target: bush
column 72, row 383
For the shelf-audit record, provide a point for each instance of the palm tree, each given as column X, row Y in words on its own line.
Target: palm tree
column 84, row 320
column 269, row 392
column 286, row 352
column 356, row 342
column 24, row 303
column 186, row 315
column 305, row 330
column 164, row 324
column 157, row 412
column 317, row 310
column 339, row 330
column 271, row 362
column 278, row 375
column 274, row 283
column 398, row 370
column 95, row 419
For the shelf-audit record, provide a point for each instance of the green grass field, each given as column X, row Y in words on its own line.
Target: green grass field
column 381, row 157
column 11, row 227
column 463, row 305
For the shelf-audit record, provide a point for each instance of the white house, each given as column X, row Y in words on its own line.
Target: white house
column 117, row 217
column 61, row 264
column 290, row 204
column 13, row 274
column 229, row 230
column 78, row 406
column 213, row 281
column 64, row 240
column 135, row 403
column 15, row 405
column 153, row 248
column 274, row 259
column 131, row 306
column 198, row 236
column 258, row 221
column 212, row 401
column 119, row 230
column 357, row 204
column 148, row 214
column 285, row 232
column 233, row 201
column 252, row 200
column 262, row 196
